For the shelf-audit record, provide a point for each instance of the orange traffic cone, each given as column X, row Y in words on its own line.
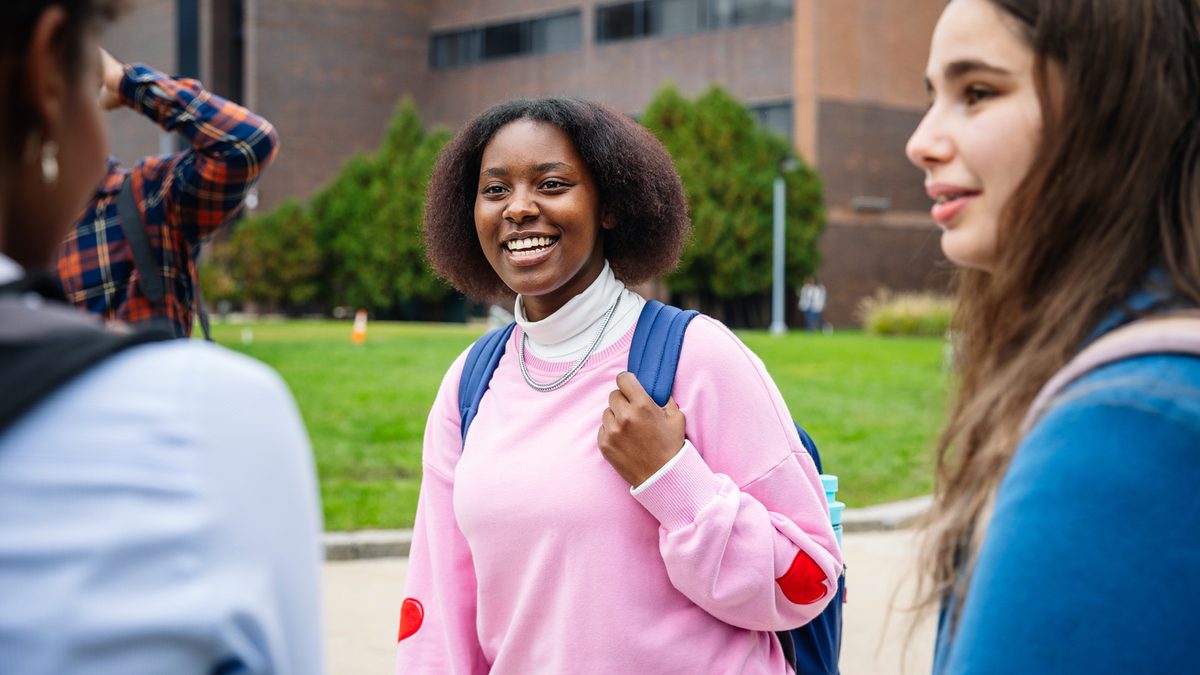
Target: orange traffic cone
column 359, row 335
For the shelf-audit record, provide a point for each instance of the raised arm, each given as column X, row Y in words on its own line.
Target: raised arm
column 203, row 186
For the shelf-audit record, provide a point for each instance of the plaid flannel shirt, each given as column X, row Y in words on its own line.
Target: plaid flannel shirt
column 182, row 197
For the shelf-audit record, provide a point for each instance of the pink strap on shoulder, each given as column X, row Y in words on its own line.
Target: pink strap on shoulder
column 1174, row 334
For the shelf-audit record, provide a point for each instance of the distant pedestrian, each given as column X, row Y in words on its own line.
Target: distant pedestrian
column 580, row 527
column 812, row 303
column 139, row 265
column 1061, row 148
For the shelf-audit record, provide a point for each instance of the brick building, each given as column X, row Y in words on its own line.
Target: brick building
column 841, row 78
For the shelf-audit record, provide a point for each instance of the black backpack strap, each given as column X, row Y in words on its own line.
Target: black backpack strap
column 134, row 229
column 40, row 283
column 44, row 344
column 201, row 310
column 477, row 373
column 657, row 342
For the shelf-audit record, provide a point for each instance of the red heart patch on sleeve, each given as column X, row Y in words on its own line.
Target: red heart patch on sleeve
column 804, row 582
column 412, row 614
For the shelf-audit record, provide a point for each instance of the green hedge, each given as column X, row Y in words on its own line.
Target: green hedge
column 887, row 313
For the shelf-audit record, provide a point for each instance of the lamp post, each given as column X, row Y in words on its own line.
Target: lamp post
column 778, row 323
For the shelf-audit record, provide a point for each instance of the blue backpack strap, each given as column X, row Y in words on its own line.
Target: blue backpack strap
column 657, row 341
column 477, row 372
column 810, row 445
column 654, row 356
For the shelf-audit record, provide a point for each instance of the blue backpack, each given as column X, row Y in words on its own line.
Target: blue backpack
column 653, row 358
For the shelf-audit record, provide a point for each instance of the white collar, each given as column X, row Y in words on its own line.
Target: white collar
column 569, row 330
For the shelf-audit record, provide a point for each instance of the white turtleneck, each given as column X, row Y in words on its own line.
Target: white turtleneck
column 567, row 333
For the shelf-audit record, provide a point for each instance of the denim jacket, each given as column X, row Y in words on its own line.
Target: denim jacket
column 1091, row 556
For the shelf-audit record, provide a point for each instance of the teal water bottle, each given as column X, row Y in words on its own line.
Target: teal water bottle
column 830, row 484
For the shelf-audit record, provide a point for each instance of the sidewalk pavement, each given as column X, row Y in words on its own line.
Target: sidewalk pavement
column 364, row 585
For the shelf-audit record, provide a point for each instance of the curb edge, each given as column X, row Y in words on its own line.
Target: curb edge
column 366, row 544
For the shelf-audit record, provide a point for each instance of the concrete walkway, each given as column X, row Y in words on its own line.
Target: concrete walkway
column 362, row 601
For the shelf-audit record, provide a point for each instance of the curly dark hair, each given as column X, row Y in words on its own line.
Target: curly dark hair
column 635, row 177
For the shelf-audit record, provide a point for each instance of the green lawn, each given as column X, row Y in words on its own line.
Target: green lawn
column 874, row 406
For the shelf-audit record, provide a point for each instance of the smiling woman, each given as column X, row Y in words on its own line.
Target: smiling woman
column 632, row 176
column 978, row 138
column 1062, row 151
column 538, row 216
column 580, row 527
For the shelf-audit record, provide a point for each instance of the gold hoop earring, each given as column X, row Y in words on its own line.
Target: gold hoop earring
column 49, row 162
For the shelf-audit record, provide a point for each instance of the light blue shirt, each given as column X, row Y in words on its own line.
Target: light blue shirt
column 159, row 514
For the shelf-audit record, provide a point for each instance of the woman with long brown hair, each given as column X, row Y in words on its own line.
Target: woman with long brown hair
column 1062, row 150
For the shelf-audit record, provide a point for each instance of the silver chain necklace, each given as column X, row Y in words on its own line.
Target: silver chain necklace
column 566, row 377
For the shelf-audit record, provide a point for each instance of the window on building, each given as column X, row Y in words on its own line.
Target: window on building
column 775, row 117
column 754, row 11
column 456, row 49
column 722, row 13
column 540, row 35
column 646, row 18
column 621, row 22
column 504, row 40
column 560, row 33
column 677, row 17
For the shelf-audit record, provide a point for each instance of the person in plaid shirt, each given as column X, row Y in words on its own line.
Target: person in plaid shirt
column 182, row 198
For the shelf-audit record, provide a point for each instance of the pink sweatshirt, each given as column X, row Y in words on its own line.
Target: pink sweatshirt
column 531, row 555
